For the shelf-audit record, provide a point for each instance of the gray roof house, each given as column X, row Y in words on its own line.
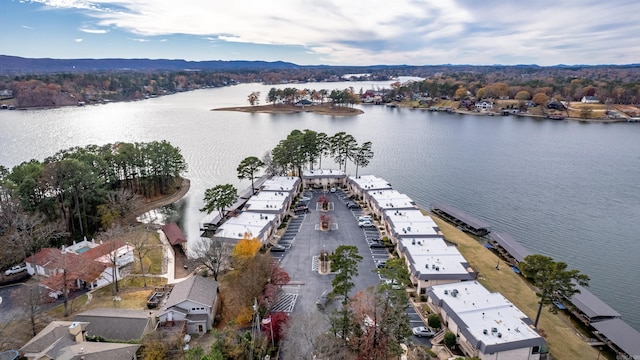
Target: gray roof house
column 116, row 324
column 194, row 301
column 65, row 340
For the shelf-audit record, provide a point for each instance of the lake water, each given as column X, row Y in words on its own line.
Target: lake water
column 565, row 189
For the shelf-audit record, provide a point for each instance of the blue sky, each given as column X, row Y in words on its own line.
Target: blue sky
column 332, row 32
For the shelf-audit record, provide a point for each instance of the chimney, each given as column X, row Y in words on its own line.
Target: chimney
column 77, row 330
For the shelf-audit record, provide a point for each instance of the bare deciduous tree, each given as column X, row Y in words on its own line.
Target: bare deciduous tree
column 214, row 254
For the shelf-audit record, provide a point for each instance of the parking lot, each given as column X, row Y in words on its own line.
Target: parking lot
column 303, row 241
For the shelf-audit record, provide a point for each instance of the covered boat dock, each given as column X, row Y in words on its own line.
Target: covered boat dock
column 619, row 337
column 509, row 248
column 462, row 220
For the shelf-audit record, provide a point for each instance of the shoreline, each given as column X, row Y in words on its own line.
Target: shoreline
column 322, row 109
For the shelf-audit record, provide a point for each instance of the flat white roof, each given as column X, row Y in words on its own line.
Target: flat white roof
column 369, row 182
column 481, row 310
column 430, row 257
column 267, row 201
column 254, row 223
column 391, row 199
column 411, row 222
column 281, row 183
column 322, row 173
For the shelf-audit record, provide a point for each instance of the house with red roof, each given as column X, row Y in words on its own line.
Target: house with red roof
column 90, row 265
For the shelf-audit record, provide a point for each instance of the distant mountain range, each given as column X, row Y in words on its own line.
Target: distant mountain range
column 15, row 65
column 19, row 65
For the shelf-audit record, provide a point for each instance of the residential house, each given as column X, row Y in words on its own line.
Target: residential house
column 486, row 325
column 65, row 340
column 484, row 105
column 431, row 261
column 590, row 100
column 194, row 301
column 87, row 263
column 116, row 324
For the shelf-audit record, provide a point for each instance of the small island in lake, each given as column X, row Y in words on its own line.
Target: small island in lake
column 324, row 109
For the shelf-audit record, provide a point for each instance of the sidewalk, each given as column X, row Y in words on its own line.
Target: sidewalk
column 168, row 259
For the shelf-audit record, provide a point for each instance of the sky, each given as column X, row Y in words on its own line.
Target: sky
column 329, row 32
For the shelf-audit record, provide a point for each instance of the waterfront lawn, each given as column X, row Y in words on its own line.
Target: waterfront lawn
column 153, row 259
column 563, row 338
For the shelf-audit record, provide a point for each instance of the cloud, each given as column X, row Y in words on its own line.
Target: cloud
column 141, row 40
column 94, row 31
column 26, row 27
column 403, row 31
column 78, row 40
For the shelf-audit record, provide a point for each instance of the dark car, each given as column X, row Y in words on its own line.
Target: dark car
column 353, row 205
column 278, row 248
column 301, row 209
column 377, row 245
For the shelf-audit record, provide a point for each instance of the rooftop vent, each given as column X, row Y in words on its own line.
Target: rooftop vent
column 484, row 331
column 499, row 335
column 494, row 329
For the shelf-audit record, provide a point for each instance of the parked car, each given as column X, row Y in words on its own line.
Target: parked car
column 353, row 205
column 332, row 190
column 377, row 245
column 301, row 209
column 15, row 270
column 366, row 223
column 364, row 218
column 381, row 264
column 277, row 248
column 422, row 331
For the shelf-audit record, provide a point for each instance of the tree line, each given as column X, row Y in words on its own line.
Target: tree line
column 299, row 150
column 290, row 96
column 79, row 191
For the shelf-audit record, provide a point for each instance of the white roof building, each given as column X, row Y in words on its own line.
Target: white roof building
column 431, row 261
column 268, row 202
column 323, row 178
column 409, row 223
column 488, row 325
column 288, row 184
column 364, row 183
column 380, row 200
column 258, row 225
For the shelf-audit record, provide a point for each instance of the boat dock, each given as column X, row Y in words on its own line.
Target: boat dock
column 462, row 220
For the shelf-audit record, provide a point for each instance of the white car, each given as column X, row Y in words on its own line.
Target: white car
column 364, row 218
column 332, row 190
column 422, row 331
column 366, row 223
column 15, row 270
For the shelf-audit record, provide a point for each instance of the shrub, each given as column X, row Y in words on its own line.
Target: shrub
column 434, row 321
column 450, row 339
